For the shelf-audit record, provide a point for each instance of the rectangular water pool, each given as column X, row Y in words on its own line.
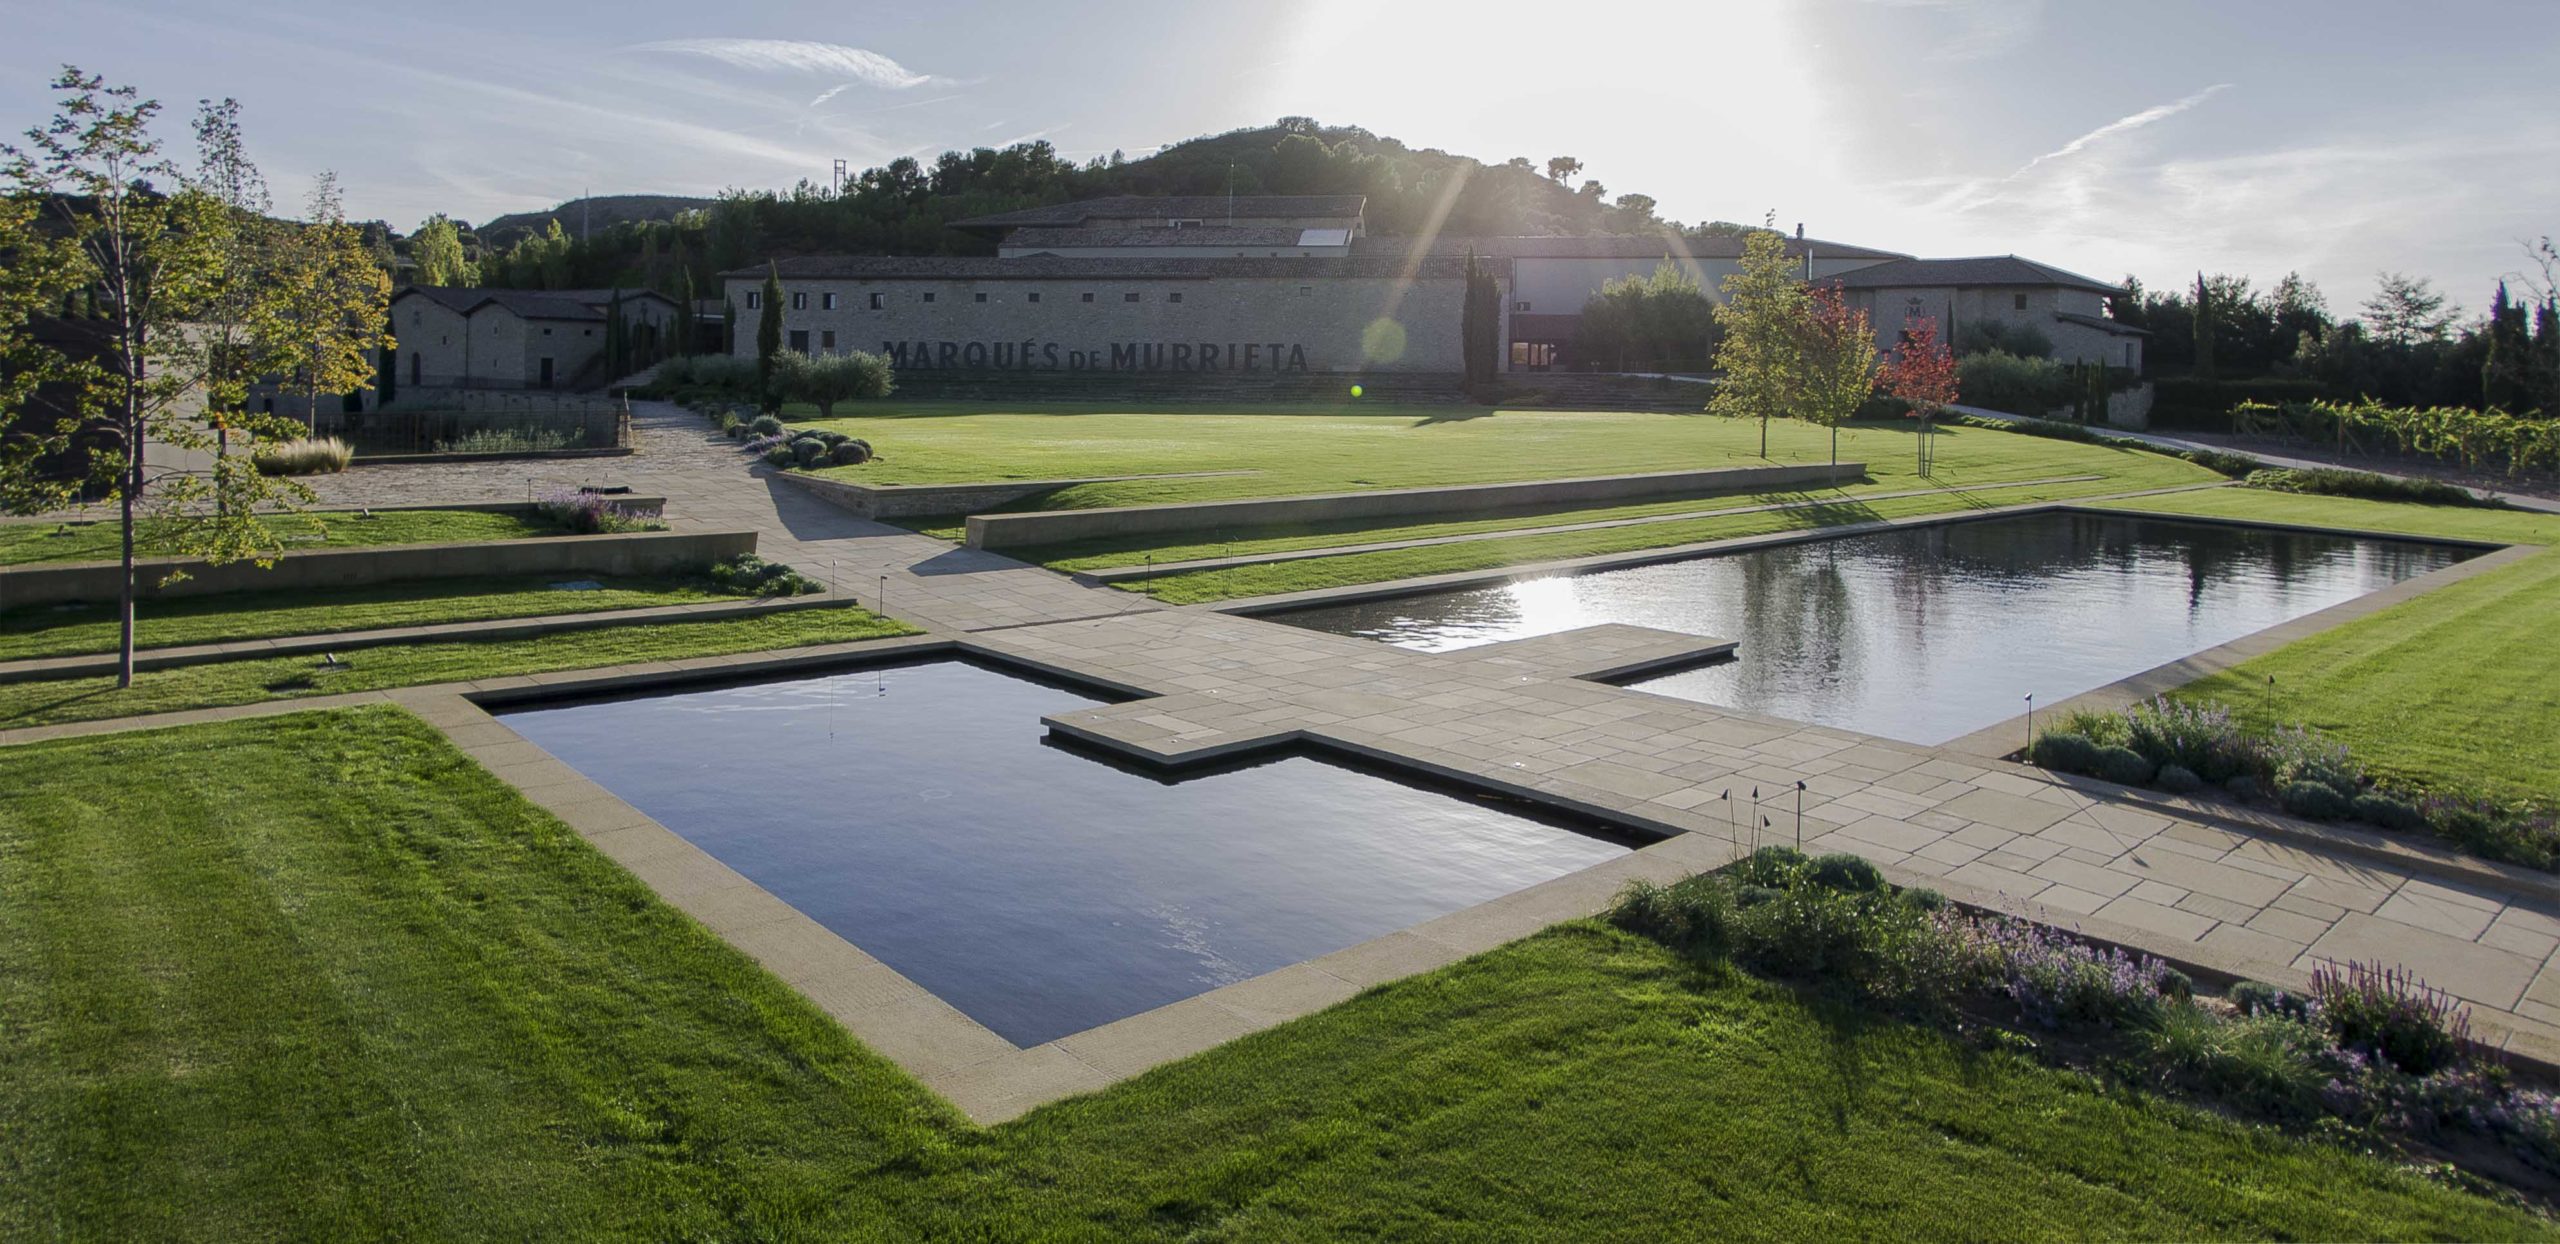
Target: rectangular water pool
column 1928, row 633
column 920, row 812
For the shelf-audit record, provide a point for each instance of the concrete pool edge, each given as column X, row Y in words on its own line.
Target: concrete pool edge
column 985, row 1076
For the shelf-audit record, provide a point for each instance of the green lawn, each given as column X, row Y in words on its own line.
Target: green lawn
column 1393, row 447
column 22, row 543
column 252, row 681
column 319, row 976
column 46, row 631
column 1281, row 453
column 2458, row 686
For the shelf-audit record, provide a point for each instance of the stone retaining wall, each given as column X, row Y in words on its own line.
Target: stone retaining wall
column 908, row 500
column 636, row 553
column 1003, row 531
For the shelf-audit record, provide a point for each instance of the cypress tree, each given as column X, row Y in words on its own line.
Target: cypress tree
column 683, row 344
column 2203, row 327
column 616, row 350
column 387, row 384
column 728, row 324
column 769, row 326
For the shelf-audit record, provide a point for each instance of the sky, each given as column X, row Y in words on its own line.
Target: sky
column 2156, row 138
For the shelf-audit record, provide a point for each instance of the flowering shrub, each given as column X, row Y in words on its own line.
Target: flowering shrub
column 587, row 513
column 750, row 575
column 2372, row 1048
column 2390, row 1013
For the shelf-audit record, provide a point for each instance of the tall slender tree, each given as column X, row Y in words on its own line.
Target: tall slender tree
column 330, row 306
column 1762, row 314
column 2203, row 320
column 1837, row 362
column 153, row 260
column 769, row 323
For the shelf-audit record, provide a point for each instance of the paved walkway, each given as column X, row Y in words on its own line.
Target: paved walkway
column 2267, row 899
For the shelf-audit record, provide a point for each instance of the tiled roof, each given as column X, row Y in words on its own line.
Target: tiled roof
column 1202, row 207
column 1617, row 246
column 2102, row 324
column 1199, row 235
column 1970, row 273
column 531, row 304
column 1053, row 267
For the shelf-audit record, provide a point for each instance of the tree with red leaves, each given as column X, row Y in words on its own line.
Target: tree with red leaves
column 1922, row 372
column 1836, row 371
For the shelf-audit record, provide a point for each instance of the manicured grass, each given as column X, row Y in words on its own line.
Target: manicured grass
column 2459, row 686
column 1391, row 447
column 319, row 976
column 1200, row 586
column 373, row 669
column 46, row 631
column 24, row 543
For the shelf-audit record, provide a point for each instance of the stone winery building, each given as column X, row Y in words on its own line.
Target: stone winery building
column 1280, row 284
column 466, row 338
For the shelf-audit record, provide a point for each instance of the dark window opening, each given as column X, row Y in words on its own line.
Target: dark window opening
column 827, row 341
column 1175, row 296
column 2019, row 301
column 1128, row 297
column 1031, row 297
column 799, row 302
column 1088, row 298
column 879, row 302
column 981, row 297
column 800, row 341
column 928, row 295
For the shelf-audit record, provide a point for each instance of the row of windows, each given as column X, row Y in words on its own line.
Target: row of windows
column 880, row 298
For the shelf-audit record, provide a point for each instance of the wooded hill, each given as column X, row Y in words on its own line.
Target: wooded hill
column 905, row 207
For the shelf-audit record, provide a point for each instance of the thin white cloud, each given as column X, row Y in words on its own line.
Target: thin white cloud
column 2135, row 121
column 863, row 66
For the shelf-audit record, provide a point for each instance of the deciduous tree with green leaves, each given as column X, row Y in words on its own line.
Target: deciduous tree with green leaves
column 42, row 273
column 154, row 259
column 437, row 250
column 1762, row 317
column 330, row 304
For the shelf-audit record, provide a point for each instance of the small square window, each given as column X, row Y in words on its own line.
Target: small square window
column 1176, row 296
column 583, row 333
column 1032, row 297
column 1305, row 290
column 799, row 302
column 1088, row 298
column 827, row 339
column 879, row 301
column 1519, row 306
column 755, row 299
column 980, row 298
column 546, row 332
column 1128, row 297
column 928, row 295
column 2019, row 301
column 826, row 302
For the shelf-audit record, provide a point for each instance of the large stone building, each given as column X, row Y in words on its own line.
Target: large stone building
column 466, row 338
column 1270, row 283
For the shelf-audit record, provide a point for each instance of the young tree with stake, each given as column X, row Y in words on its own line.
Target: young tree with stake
column 1922, row 373
column 1836, row 362
column 1762, row 317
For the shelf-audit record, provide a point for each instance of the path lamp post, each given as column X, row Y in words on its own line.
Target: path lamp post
column 2031, row 721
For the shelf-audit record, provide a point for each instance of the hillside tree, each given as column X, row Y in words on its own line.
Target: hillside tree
column 436, row 248
column 2405, row 311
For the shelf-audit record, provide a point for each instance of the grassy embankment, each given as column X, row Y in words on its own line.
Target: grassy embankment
column 1275, row 454
column 318, row 975
column 2459, row 686
column 257, row 680
column 27, row 543
column 46, row 631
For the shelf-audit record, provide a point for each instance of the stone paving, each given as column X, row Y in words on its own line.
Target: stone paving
column 2256, row 896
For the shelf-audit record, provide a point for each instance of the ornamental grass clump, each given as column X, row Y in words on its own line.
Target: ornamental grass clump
column 325, row 455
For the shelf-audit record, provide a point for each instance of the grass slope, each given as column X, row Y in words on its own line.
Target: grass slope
column 2456, row 686
column 1391, row 447
column 319, row 975
column 56, row 632
column 26, row 543
column 257, row 680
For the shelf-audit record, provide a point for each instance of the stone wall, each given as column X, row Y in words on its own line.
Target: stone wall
column 637, row 553
column 1215, row 325
column 996, row 531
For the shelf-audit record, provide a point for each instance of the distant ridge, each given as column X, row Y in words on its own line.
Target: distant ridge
column 598, row 212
